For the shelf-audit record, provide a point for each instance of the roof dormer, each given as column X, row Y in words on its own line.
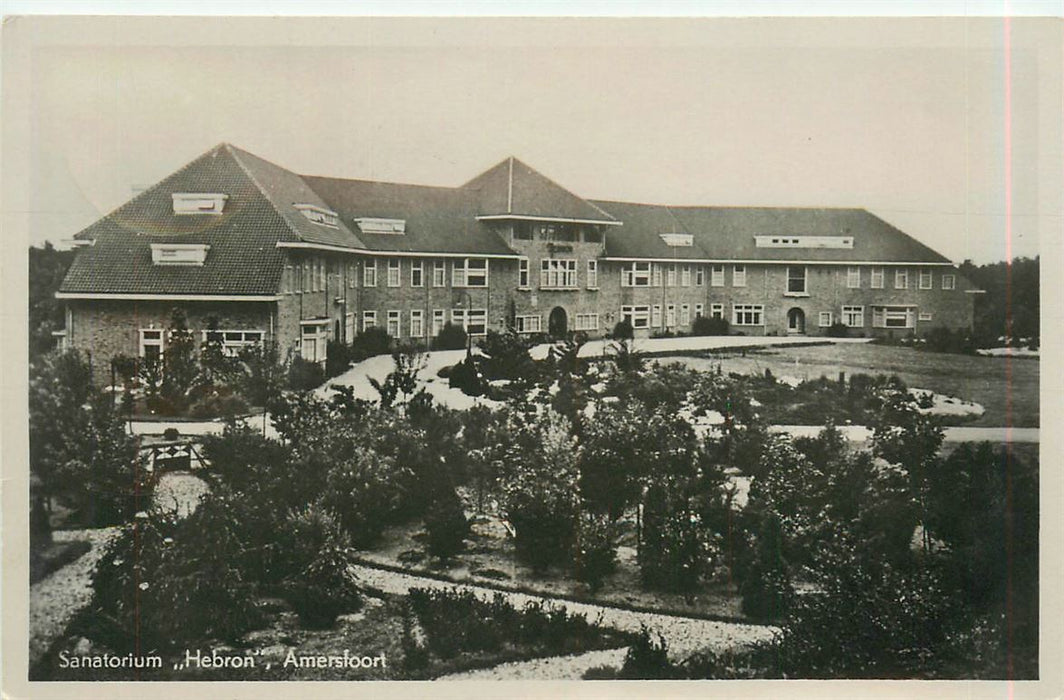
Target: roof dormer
column 378, row 225
column 319, row 215
column 199, row 202
column 179, row 253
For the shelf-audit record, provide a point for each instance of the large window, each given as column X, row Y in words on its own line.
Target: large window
column 369, row 320
column 655, row 316
column 393, row 272
column 439, row 273
column 587, row 322
column 670, row 315
column 417, row 323
column 439, row 320
column 369, row 273
column 637, row 274
column 739, row 275
column 557, row 273
column 670, row 279
column 796, row 279
column 748, row 314
column 949, row 281
column 474, row 321
column 313, row 340
column 685, row 276
column 522, row 273
column 892, row 317
column 925, row 279
column 700, row 276
column 351, row 277
column 151, row 343
column 233, row 341
column 394, row 318
column 901, row 279
column 716, row 276
column 853, row 277
column 657, row 280
column 853, row 316
column 470, row 272
column 877, row 277
column 592, row 274
column 417, row 273
column 528, row 324
column 685, row 314
column 638, row 316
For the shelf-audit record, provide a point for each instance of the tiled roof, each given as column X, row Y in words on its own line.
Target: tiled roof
column 727, row 233
column 438, row 219
column 513, row 188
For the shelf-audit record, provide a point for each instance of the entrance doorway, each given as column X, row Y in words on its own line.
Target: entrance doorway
column 558, row 323
column 796, row 321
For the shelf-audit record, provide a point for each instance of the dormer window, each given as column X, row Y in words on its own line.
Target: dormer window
column 179, row 253
column 199, row 202
column 319, row 215
column 845, row 242
column 386, row 226
column 678, row 240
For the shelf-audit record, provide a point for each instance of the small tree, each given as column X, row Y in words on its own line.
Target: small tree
column 451, row 337
column 181, row 369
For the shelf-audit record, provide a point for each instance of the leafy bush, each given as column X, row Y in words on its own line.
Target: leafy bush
column 325, row 590
column 623, row 330
column 595, row 554
column 766, row 585
column 648, row 659
column 709, row 325
column 304, row 375
column 338, row 357
column 218, row 405
column 506, row 356
column 369, row 343
column 467, row 377
column 838, row 329
column 451, row 337
column 446, row 525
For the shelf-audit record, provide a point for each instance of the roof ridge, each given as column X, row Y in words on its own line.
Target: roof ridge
column 561, row 187
column 235, row 153
column 393, row 183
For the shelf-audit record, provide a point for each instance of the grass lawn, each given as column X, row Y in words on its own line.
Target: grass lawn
column 1007, row 389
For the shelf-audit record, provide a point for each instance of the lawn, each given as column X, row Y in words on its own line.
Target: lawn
column 1007, row 389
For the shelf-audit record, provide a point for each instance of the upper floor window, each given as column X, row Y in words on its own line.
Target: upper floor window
column 592, row 274
column 925, row 279
column 853, row 277
column 198, row 202
column 700, row 276
column 677, row 240
column 685, row 276
column 716, row 276
column 949, row 281
column 439, row 273
column 557, row 272
column 319, row 215
column 670, row 279
column 901, row 279
column 470, row 272
column 656, row 272
column 739, row 276
column 877, row 277
column 796, row 279
column 376, row 225
column 393, row 272
column 369, row 273
column 179, row 254
column 522, row 273
column 417, row 274
column 637, row 274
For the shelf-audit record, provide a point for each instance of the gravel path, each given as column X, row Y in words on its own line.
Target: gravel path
column 55, row 599
column 684, row 635
column 555, row 668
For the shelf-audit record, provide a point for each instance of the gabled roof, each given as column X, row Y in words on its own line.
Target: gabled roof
column 515, row 189
column 438, row 219
column 727, row 233
column 243, row 257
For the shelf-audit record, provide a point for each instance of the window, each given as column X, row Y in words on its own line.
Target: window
column 233, row 341
column 587, row 322
column 439, row 320
column 557, row 273
column 670, row 279
column 304, row 277
column 656, row 282
column 369, row 274
column 677, row 240
column 349, row 326
column 351, row 276
column 685, row 276
column 925, row 316
column 685, row 314
column 393, row 323
column 636, row 275
column 700, row 309
column 853, row 278
column 739, row 276
column 796, row 279
column 179, row 254
column 853, row 316
column 700, row 276
column 592, row 274
column 825, row 319
column 321, row 276
column 638, row 316
column 949, row 281
column 369, row 320
column 803, row 241
column 892, row 317
column 901, row 279
column 925, row 279
column 198, row 203
column 670, row 315
column 474, row 321
column 655, row 315
column 319, row 215
column 393, row 272
column 748, row 314
column 522, row 273
column 877, row 277
column 716, row 310
column 151, row 343
column 470, row 272
column 528, row 324
column 417, row 323
column 286, row 280
column 417, row 274
column 387, row 226
column 439, row 273
column 313, row 340
column 716, row 276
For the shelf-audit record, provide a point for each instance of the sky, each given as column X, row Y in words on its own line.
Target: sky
column 927, row 122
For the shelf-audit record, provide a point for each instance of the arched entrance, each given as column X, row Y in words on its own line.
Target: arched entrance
column 796, row 321
column 558, row 323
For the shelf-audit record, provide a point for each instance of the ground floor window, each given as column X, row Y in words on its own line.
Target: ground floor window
column 700, row 310
column 528, row 324
column 655, row 316
column 892, row 317
column 369, row 320
column 313, row 340
column 586, row 322
column 417, row 323
column 853, row 316
column 349, row 326
column 638, row 316
column 393, row 323
column 716, row 310
column 925, row 316
column 685, row 314
column 234, row 341
column 439, row 320
column 670, row 315
column 151, row 343
column 748, row 314
column 825, row 319
column 474, row 321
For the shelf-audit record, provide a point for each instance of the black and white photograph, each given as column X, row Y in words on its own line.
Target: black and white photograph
column 587, row 349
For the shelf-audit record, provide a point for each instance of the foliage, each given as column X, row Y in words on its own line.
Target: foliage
column 709, row 325
column 180, row 366
column 569, row 371
column 369, row 343
column 467, row 377
column 47, row 268
column 766, row 585
column 451, row 337
column 595, row 553
column 623, row 330
column 446, row 525
column 337, row 358
column 400, row 387
column 325, row 589
column 838, row 329
column 263, row 375
column 218, row 404
column 943, row 339
column 648, row 659
column 505, row 356
column 1010, row 307
column 304, row 375
column 625, row 359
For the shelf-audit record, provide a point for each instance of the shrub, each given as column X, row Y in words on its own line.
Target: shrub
column 304, row 375
column 837, row 330
column 766, row 587
column 466, row 376
column 595, row 553
column 506, row 356
column 648, row 659
column 325, row 590
column 370, row 342
column 446, row 525
column 623, row 330
column 337, row 358
column 215, row 405
column 451, row 337
column 362, row 490
column 709, row 325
